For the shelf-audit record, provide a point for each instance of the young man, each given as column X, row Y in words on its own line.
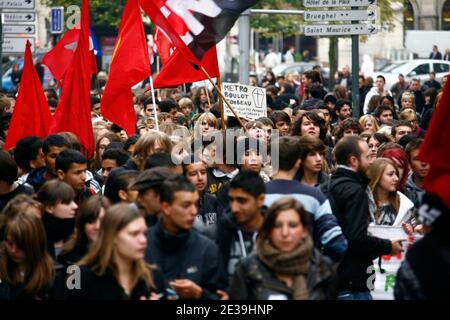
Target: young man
column 148, row 184
column 343, row 110
column 195, row 171
column 326, row 231
column 189, row 261
column 224, row 164
column 384, row 115
column 237, row 229
column 52, row 146
column 419, row 100
column 148, row 107
column 112, row 158
column 378, row 89
column 401, row 129
column 9, row 188
column 71, row 167
column 281, row 121
column 28, row 156
column 348, row 190
column 414, row 185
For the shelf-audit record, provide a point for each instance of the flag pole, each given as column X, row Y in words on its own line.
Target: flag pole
column 222, row 115
column 154, row 103
column 98, row 87
column 225, row 100
column 207, row 94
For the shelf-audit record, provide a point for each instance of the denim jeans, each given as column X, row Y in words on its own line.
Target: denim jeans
column 354, row 295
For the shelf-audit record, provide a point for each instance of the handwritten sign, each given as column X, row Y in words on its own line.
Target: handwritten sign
column 386, row 267
column 248, row 102
column 387, row 232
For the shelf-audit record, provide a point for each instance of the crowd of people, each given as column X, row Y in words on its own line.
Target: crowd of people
column 204, row 209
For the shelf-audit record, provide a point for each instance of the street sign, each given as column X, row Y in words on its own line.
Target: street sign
column 17, row 4
column 57, row 20
column 16, row 44
column 338, row 3
column 340, row 29
column 9, row 17
column 19, row 29
column 339, row 15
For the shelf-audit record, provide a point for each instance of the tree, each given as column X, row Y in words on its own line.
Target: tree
column 107, row 13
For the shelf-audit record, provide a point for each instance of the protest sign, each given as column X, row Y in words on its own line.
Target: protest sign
column 249, row 102
column 382, row 282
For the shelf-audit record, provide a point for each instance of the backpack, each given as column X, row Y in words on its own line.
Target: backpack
column 326, row 190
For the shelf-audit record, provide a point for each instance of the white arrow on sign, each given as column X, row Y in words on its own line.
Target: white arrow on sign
column 17, row 4
column 17, row 45
column 340, row 29
column 338, row 3
column 339, row 15
column 9, row 17
column 19, row 29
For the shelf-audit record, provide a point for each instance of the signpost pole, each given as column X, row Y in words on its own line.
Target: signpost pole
column 244, row 46
column 355, row 73
column 1, row 49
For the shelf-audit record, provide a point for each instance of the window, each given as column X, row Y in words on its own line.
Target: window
column 408, row 16
column 446, row 16
column 420, row 70
column 440, row 67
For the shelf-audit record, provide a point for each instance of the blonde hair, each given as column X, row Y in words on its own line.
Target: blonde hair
column 209, row 118
column 363, row 120
column 375, row 173
column 186, row 102
column 101, row 253
column 408, row 114
column 145, row 146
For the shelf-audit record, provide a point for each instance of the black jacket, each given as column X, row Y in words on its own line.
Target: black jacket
column 348, row 189
column 227, row 235
column 187, row 255
column 253, row 280
column 106, row 287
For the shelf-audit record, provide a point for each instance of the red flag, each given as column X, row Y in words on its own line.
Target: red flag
column 163, row 46
column 178, row 70
column 74, row 108
column 31, row 116
column 435, row 149
column 130, row 65
column 195, row 26
column 59, row 58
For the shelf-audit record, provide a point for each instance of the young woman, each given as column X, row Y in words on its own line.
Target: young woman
column 204, row 124
column 369, row 124
column 392, row 206
column 374, row 142
column 87, row 227
column 114, row 268
column 151, row 142
column 285, row 265
column 100, row 147
column 313, row 166
column 26, row 269
column 400, row 159
column 118, row 187
column 57, row 197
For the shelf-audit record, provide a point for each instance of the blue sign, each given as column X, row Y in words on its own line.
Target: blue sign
column 57, row 20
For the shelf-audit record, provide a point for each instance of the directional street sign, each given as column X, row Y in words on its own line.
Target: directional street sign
column 340, row 29
column 57, row 20
column 17, row 4
column 338, row 3
column 9, row 17
column 19, row 29
column 339, row 15
column 17, row 45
